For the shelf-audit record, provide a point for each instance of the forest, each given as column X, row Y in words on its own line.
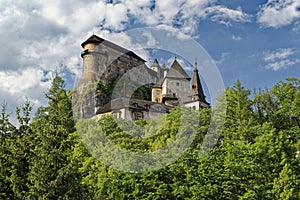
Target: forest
column 255, row 156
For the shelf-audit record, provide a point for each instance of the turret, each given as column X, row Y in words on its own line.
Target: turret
column 90, row 56
column 155, row 66
column 197, row 90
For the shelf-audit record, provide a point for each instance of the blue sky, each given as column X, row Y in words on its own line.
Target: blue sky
column 257, row 42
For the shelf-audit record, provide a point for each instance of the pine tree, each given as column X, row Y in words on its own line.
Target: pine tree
column 15, row 153
column 52, row 174
column 284, row 185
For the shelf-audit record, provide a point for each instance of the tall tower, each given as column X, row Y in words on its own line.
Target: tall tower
column 155, row 66
column 104, row 62
column 197, row 90
column 92, row 58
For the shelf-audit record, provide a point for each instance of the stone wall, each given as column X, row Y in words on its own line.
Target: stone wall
column 101, row 62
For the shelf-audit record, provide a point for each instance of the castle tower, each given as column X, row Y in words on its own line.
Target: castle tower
column 91, row 56
column 197, row 90
column 103, row 62
column 197, row 96
column 155, row 66
column 176, row 84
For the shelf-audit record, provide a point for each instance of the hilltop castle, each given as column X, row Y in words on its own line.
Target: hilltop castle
column 117, row 81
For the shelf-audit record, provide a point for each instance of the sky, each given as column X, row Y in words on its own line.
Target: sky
column 256, row 42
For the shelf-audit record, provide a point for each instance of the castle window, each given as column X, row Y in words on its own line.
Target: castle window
column 157, row 92
column 135, row 105
column 137, row 115
column 177, row 83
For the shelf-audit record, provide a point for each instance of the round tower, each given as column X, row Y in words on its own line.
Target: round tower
column 90, row 56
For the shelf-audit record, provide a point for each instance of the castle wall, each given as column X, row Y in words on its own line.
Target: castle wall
column 101, row 62
column 178, row 86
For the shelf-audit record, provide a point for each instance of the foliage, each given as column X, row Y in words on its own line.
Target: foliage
column 256, row 156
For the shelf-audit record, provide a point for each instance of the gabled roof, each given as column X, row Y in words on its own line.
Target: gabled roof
column 176, row 71
column 94, row 39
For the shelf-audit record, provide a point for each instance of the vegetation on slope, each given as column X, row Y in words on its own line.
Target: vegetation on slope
column 256, row 156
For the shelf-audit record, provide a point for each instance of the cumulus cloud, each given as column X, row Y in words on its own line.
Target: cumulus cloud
column 276, row 14
column 40, row 36
column 225, row 15
column 281, row 53
column 282, row 64
column 280, row 58
column 17, row 87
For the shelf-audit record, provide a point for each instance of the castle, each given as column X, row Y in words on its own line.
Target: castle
column 117, row 81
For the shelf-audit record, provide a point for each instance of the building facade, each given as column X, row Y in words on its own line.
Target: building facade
column 104, row 62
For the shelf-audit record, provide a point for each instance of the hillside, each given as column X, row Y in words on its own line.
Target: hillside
column 255, row 156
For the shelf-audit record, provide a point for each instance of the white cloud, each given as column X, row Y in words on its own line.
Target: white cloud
column 280, row 59
column 17, row 87
column 116, row 16
column 223, row 15
column 279, row 13
column 282, row 64
column 280, row 53
column 16, row 82
column 38, row 35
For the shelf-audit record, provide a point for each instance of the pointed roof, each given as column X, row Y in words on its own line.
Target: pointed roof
column 197, row 90
column 94, row 39
column 176, row 71
column 155, row 63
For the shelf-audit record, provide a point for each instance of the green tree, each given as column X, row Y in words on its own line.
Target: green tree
column 15, row 154
column 52, row 174
column 284, row 186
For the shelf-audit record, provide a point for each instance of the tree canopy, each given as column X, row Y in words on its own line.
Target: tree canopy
column 256, row 154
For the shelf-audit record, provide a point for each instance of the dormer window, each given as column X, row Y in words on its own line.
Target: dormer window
column 147, row 107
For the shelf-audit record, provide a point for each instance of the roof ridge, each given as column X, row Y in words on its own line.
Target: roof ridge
column 96, row 39
column 179, row 69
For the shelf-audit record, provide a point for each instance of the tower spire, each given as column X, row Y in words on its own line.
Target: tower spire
column 197, row 90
